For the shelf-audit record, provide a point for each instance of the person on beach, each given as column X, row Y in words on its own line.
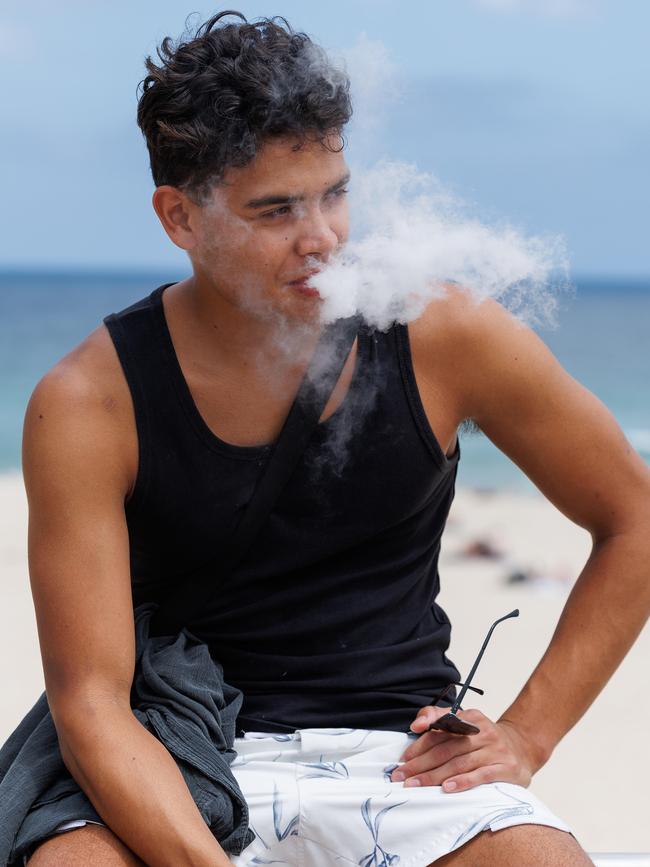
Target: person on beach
column 144, row 444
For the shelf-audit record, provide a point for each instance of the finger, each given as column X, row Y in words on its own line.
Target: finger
column 431, row 739
column 425, row 716
column 460, row 765
column 456, row 744
column 438, row 761
column 484, row 774
column 474, row 715
column 435, row 755
column 423, row 745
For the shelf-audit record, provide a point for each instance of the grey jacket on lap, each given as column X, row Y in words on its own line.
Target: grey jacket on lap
column 178, row 695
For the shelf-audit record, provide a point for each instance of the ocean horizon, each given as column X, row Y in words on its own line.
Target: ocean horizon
column 600, row 338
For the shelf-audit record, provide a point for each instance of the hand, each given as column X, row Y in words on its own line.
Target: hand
column 459, row 762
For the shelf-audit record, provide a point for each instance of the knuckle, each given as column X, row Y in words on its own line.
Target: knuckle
column 461, row 765
column 446, row 754
column 474, row 715
column 448, row 751
column 467, row 764
column 417, row 766
column 486, row 741
column 489, row 774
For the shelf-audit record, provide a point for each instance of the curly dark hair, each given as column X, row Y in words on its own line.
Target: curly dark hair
column 218, row 94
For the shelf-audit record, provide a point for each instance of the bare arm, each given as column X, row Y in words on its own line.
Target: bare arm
column 570, row 445
column 77, row 480
column 503, row 376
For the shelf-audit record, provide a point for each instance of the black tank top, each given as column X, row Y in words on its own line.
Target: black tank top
column 330, row 620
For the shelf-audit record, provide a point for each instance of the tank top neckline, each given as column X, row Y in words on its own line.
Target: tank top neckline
column 205, row 432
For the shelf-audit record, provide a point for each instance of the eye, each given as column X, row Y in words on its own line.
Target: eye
column 342, row 191
column 277, row 212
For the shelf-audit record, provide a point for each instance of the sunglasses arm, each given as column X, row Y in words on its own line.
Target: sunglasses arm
column 468, row 680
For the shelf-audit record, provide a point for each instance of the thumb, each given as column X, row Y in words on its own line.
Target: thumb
column 427, row 715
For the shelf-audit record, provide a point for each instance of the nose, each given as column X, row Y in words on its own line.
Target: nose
column 316, row 234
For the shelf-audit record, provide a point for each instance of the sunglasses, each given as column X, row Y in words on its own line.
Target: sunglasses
column 451, row 722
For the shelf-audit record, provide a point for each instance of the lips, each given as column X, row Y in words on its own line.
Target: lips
column 302, row 285
column 304, row 278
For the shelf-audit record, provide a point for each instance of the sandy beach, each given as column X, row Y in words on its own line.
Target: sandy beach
column 501, row 551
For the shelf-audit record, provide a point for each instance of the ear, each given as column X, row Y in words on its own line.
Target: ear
column 177, row 212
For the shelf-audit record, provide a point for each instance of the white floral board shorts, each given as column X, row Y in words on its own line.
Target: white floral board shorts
column 324, row 798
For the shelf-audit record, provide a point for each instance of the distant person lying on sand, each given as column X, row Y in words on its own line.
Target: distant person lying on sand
column 143, row 449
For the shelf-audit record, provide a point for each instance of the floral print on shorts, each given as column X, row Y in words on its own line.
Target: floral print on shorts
column 324, row 798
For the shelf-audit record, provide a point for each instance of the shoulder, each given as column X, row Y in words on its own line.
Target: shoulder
column 457, row 317
column 87, row 379
column 82, row 409
column 476, row 344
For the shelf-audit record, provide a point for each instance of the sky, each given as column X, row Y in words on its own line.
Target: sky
column 532, row 111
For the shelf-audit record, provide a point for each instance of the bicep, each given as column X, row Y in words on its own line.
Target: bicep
column 78, row 546
column 559, row 433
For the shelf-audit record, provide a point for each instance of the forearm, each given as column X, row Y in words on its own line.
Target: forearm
column 136, row 787
column 603, row 616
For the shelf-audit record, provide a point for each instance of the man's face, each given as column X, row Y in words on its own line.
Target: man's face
column 270, row 224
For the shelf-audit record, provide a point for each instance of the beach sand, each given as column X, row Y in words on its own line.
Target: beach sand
column 595, row 780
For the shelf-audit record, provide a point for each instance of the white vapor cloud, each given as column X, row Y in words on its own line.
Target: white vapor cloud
column 411, row 235
column 417, row 237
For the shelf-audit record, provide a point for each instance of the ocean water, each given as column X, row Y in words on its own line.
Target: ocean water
column 602, row 339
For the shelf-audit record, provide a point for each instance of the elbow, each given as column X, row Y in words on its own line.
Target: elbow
column 80, row 718
column 635, row 536
column 628, row 518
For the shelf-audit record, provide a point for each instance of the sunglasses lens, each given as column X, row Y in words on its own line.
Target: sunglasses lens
column 454, row 725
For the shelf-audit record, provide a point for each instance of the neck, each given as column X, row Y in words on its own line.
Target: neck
column 233, row 335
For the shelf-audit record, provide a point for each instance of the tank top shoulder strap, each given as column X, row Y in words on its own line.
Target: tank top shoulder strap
column 399, row 335
column 134, row 333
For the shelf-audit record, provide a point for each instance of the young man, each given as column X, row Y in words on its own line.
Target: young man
column 143, row 445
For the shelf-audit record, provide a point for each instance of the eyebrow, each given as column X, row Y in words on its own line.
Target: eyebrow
column 285, row 199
